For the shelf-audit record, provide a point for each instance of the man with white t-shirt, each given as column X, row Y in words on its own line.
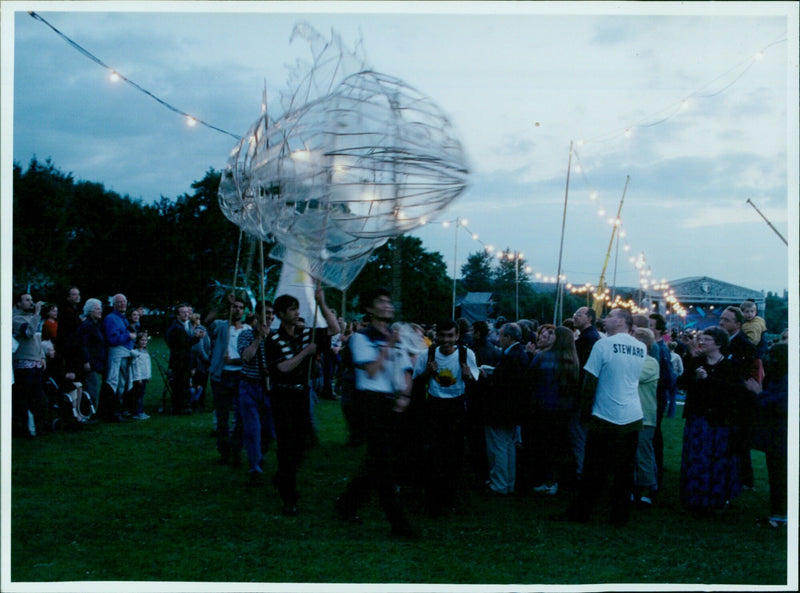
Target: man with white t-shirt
column 224, row 326
column 615, row 362
column 383, row 384
column 445, row 371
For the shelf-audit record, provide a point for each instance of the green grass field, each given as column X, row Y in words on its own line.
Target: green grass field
column 147, row 501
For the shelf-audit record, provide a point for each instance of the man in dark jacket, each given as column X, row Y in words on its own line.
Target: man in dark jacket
column 584, row 319
column 742, row 352
column 91, row 345
column 180, row 339
column 504, row 410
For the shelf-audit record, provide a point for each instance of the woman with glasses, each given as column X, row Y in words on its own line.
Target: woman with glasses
column 709, row 469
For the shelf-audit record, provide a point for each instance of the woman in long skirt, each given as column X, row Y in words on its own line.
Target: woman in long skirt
column 709, row 469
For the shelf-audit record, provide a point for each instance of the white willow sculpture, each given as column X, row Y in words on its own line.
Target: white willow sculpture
column 357, row 157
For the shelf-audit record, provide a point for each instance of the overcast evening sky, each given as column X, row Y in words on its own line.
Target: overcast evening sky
column 519, row 81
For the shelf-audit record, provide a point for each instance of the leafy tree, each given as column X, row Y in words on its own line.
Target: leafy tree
column 776, row 313
column 425, row 290
column 477, row 274
column 511, row 277
column 43, row 198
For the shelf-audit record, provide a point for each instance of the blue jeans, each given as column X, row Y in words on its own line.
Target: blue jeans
column 226, row 396
column 255, row 410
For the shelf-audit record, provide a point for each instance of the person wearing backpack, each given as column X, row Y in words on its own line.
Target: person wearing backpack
column 445, row 372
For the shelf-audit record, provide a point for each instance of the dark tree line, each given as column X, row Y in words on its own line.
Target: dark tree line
column 69, row 232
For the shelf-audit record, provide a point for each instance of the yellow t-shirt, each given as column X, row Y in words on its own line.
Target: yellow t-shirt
column 754, row 328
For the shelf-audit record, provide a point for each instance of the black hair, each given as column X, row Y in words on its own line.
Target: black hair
column 447, row 325
column 368, row 297
column 261, row 304
column 661, row 323
column 284, row 302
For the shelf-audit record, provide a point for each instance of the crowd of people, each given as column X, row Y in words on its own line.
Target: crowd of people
column 513, row 408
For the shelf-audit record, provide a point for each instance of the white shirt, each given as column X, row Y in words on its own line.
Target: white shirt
column 447, row 382
column 617, row 362
column 233, row 352
column 389, row 379
column 141, row 368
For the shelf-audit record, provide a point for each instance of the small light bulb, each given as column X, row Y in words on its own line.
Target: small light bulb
column 114, row 76
column 191, row 122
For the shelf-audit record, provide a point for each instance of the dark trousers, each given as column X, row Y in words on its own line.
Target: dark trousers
column 777, row 465
column 475, row 432
column 548, row 450
column 376, row 471
column 179, row 386
column 291, row 414
column 133, row 400
column 445, row 427
column 610, row 452
column 27, row 394
column 741, row 448
column 226, row 393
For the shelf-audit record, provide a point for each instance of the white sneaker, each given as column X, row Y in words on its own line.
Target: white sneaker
column 141, row 416
column 550, row 489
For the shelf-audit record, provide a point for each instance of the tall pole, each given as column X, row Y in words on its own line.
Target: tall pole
column 556, row 320
column 455, row 259
column 614, row 281
column 768, row 222
column 516, row 275
column 601, row 286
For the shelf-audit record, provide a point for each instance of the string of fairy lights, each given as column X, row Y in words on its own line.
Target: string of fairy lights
column 647, row 286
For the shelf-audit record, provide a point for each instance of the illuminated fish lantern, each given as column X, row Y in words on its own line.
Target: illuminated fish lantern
column 357, row 157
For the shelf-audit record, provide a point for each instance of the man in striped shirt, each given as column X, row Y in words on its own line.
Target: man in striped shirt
column 289, row 353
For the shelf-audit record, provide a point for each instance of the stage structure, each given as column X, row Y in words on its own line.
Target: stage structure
column 356, row 158
column 704, row 299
